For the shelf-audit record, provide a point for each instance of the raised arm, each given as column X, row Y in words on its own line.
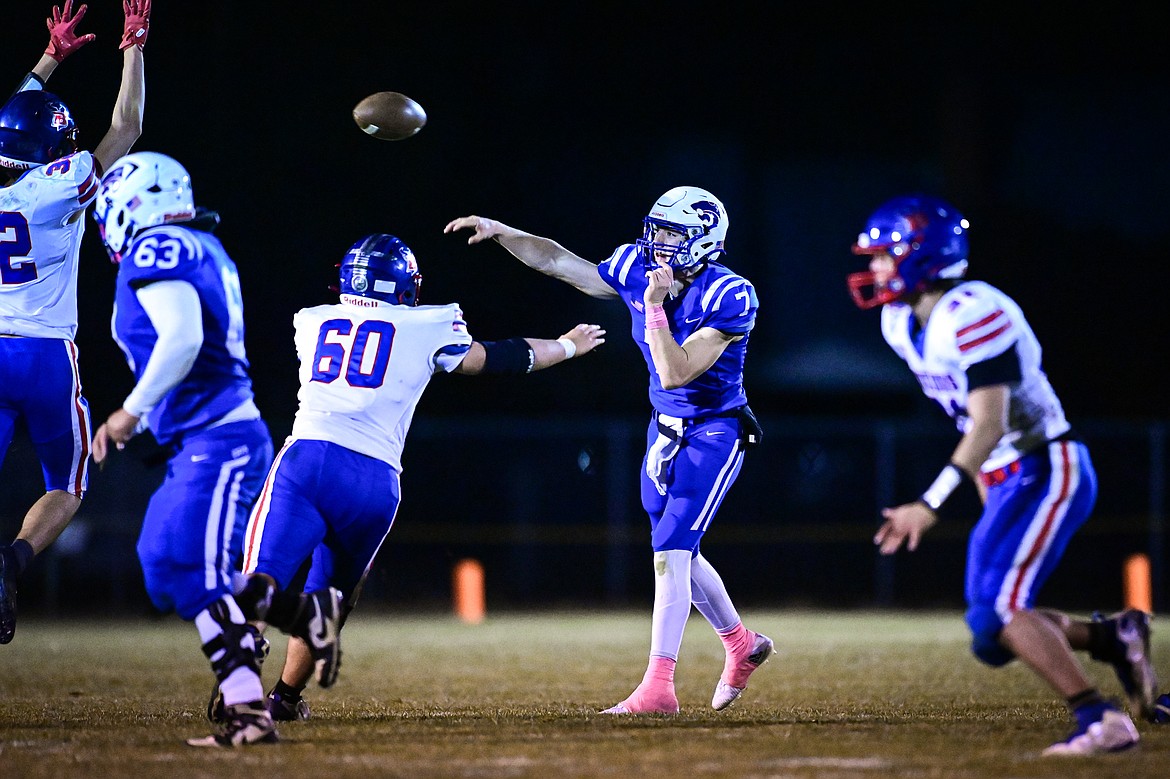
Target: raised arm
column 517, row 354
column 126, row 123
column 677, row 365
column 542, row 254
column 63, row 41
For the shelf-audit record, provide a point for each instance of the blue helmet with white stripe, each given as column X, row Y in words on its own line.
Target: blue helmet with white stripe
column 694, row 213
column 382, row 267
column 925, row 236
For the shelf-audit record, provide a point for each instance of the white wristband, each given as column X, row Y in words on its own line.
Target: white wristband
column 569, row 346
column 947, row 482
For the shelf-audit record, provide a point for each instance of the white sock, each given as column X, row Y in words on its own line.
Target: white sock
column 672, row 602
column 710, row 596
column 243, row 684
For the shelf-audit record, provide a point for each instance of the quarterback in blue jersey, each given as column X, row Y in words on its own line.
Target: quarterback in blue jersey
column 974, row 353
column 46, row 184
column 691, row 317
column 179, row 318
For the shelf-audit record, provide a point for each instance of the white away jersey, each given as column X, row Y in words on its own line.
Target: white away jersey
column 364, row 366
column 972, row 323
column 39, row 247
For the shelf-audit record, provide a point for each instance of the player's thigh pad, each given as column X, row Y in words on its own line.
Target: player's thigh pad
column 700, row 476
column 324, row 497
column 39, row 382
column 191, row 535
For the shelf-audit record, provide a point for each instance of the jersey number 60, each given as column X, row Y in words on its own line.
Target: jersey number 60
column 364, row 367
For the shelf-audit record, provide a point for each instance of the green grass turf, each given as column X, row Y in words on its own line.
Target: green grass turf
column 850, row 694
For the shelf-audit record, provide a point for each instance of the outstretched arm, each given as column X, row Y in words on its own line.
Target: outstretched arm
column 988, row 409
column 126, row 123
column 546, row 352
column 542, row 254
column 63, row 41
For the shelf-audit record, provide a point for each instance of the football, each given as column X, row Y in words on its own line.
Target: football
column 390, row 116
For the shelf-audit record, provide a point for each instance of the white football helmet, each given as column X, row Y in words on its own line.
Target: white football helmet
column 141, row 190
column 695, row 213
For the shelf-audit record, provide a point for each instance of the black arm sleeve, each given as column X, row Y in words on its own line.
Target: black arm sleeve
column 513, row 356
column 1004, row 368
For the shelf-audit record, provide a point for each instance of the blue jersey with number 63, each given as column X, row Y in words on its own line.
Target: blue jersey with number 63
column 218, row 381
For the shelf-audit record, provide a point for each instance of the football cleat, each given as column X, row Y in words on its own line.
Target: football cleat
column 215, row 706
column 1161, row 714
column 323, row 633
column 245, row 723
column 285, row 710
column 7, row 602
column 736, row 672
column 1132, row 661
column 645, row 702
column 1114, row 732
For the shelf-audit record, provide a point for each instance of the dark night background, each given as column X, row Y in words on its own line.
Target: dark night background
column 1048, row 126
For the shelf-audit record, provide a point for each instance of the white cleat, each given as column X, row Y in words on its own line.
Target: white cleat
column 1114, row 732
column 725, row 693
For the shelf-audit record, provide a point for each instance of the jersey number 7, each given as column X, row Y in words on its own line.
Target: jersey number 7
column 362, row 357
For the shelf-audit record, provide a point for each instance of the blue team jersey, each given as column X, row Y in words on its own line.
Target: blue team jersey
column 717, row 298
column 218, row 381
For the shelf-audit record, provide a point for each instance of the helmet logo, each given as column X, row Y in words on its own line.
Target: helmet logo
column 358, row 281
column 707, row 212
column 60, row 119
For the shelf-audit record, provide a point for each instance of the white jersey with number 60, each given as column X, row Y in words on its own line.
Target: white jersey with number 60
column 364, row 366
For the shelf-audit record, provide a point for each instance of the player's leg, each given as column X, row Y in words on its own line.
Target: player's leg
column 1026, row 526
column 49, row 399
column 355, row 498
column 744, row 650
column 186, row 555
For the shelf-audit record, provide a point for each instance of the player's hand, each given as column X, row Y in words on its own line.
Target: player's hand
column 137, row 23
column 586, row 338
column 904, row 523
column 660, row 281
column 118, row 429
column 63, row 37
column 481, row 227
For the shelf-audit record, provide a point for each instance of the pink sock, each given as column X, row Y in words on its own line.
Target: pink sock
column 737, row 640
column 656, row 692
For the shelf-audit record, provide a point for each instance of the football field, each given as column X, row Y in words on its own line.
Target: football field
column 850, row 694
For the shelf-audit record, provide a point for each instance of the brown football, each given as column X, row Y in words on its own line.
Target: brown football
column 390, row 116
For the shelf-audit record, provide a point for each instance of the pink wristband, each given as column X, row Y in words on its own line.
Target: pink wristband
column 656, row 318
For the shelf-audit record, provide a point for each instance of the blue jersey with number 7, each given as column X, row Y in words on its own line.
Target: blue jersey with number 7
column 218, row 381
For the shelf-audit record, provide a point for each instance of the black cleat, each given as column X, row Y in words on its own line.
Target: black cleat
column 7, row 601
column 286, row 710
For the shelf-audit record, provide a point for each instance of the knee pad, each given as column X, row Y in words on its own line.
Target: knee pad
column 234, row 647
column 985, row 626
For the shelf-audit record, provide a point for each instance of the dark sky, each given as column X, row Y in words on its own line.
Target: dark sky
column 1047, row 127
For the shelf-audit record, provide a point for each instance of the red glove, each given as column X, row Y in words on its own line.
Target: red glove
column 137, row 23
column 63, row 41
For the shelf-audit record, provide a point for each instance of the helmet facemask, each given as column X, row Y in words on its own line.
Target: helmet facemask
column 695, row 214
column 924, row 237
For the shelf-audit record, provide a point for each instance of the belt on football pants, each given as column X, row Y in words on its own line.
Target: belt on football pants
column 999, row 475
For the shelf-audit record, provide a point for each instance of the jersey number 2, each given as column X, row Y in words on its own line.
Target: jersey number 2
column 15, row 244
column 363, row 358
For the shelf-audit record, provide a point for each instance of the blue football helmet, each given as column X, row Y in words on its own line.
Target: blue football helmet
column 695, row 213
column 925, row 236
column 382, row 267
column 35, row 129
